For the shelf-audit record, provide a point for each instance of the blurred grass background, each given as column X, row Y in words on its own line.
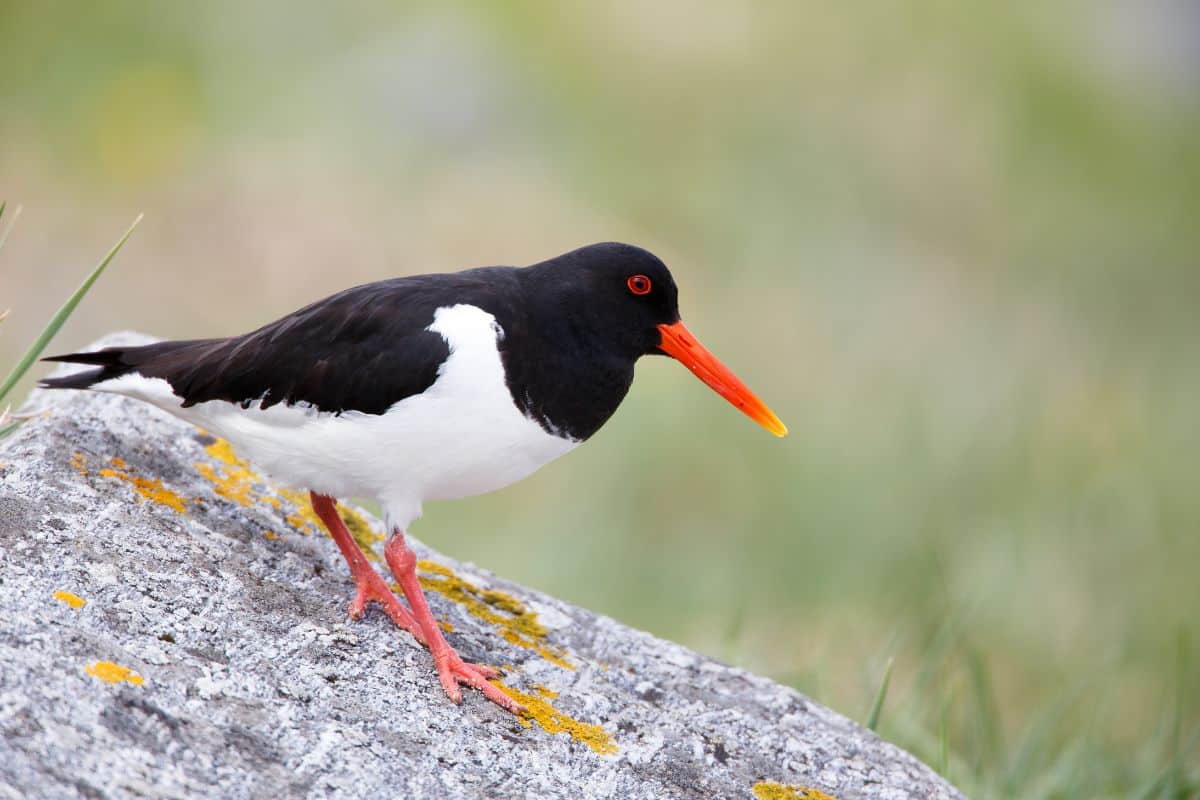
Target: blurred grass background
column 954, row 245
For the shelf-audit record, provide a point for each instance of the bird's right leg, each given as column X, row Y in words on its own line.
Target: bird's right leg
column 369, row 586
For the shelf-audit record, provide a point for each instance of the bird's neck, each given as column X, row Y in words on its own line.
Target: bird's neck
column 562, row 379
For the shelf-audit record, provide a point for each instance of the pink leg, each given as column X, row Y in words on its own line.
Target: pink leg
column 369, row 586
column 452, row 670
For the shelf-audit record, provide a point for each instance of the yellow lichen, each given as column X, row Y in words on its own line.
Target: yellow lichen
column 233, row 480
column 225, row 484
column 73, row 600
column 222, row 451
column 769, row 790
column 270, row 534
column 148, row 488
column 304, row 518
column 109, row 672
column 366, row 536
column 518, row 624
column 551, row 720
column 79, row 462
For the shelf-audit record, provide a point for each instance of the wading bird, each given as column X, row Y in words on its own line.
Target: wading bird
column 427, row 387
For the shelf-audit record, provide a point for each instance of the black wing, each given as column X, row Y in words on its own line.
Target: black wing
column 362, row 349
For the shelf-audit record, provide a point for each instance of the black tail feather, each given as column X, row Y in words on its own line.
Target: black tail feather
column 111, row 364
column 106, row 357
column 79, row 380
column 168, row 360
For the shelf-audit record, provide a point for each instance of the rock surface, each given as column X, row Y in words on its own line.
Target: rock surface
column 173, row 625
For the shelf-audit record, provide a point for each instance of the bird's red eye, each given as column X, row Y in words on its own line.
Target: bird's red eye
column 638, row 284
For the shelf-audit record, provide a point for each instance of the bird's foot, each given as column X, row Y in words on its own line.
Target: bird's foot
column 369, row 587
column 452, row 671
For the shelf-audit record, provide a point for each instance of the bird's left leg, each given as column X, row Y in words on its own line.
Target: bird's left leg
column 452, row 670
column 368, row 585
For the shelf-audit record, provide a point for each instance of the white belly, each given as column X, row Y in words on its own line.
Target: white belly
column 460, row 437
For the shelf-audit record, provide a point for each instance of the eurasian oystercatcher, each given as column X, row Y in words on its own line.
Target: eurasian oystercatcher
column 425, row 388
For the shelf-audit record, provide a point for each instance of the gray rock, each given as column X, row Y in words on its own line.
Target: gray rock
column 212, row 656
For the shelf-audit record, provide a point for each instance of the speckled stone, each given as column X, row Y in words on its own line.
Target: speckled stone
column 212, row 656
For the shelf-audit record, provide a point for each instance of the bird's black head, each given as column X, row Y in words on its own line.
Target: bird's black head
column 614, row 303
column 615, row 295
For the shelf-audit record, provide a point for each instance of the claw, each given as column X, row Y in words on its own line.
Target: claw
column 488, row 673
column 452, row 671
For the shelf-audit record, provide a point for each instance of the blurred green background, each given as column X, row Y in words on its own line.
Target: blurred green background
column 954, row 245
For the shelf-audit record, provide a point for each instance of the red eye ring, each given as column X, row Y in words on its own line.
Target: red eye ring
column 639, row 284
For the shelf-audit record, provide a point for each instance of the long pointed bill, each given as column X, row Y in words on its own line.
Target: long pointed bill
column 678, row 342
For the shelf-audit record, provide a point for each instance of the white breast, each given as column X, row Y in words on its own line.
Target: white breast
column 462, row 436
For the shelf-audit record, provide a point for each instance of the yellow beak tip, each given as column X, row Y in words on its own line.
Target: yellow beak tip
column 776, row 427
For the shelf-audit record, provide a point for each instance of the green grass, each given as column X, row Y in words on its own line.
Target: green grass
column 877, row 706
column 11, row 223
column 953, row 724
column 56, row 321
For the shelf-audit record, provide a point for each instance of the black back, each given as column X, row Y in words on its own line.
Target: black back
column 571, row 334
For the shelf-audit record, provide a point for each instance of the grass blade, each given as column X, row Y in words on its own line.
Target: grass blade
column 12, row 223
column 985, row 717
column 877, row 706
column 59, row 318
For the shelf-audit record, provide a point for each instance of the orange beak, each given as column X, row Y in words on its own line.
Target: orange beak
column 678, row 342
